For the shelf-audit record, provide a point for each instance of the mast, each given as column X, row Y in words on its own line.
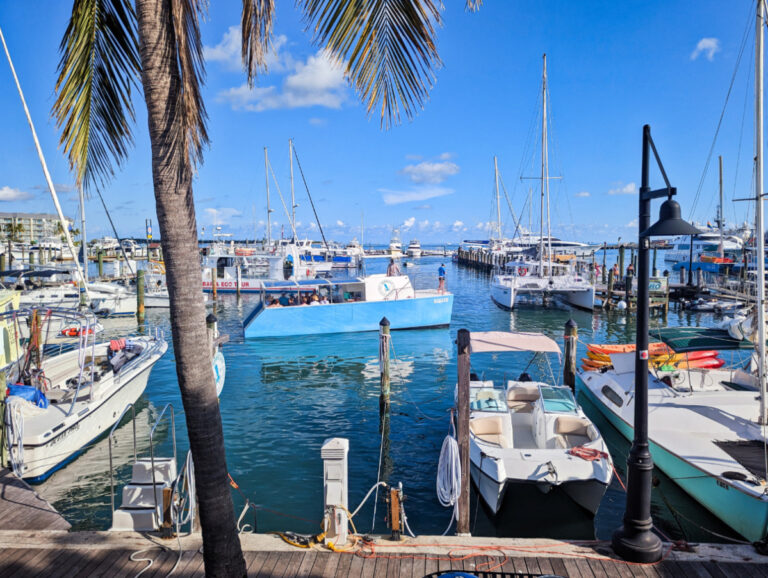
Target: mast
column 545, row 162
column 83, row 238
column 759, row 232
column 498, row 204
column 720, row 210
column 269, row 210
column 543, row 166
column 48, row 179
column 293, row 195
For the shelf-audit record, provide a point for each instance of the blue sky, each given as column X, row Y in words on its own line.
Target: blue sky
column 613, row 66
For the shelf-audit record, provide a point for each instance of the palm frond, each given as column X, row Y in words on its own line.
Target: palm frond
column 192, row 133
column 387, row 46
column 473, row 5
column 99, row 66
column 256, row 26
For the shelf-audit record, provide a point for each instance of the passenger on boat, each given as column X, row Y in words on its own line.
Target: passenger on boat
column 283, row 301
column 324, row 300
column 315, row 300
column 274, row 303
column 393, row 270
column 291, row 301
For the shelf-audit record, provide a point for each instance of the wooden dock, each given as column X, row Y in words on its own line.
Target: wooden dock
column 21, row 508
column 55, row 554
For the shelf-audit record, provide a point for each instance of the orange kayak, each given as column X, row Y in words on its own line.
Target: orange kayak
column 655, row 348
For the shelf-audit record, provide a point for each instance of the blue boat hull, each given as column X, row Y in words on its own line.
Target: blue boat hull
column 742, row 512
column 420, row 312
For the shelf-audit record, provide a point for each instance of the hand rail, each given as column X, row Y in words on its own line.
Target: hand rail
column 112, row 431
column 152, row 446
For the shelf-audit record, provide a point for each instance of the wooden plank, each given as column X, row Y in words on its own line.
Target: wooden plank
column 714, row 569
column 269, row 564
column 35, row 560
column 393, row 566
column 418, row 566
column 381, row 567
column 14, row 559
column 430, row 564
column 355, row 567
column 406, row 565
column 281, row 566
column 369, row 567
column 545, row 565
column 342, row 570
column 306, row 562
column 21, row 508
column 64, row 563
column 532, row 564
column 331, row 565
column 573, row 569
column 255, row 565
column 558, row 567
column 583, row 565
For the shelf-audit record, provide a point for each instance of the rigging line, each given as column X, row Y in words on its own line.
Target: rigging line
column 509, row 205
column 741, row 140
column 114, row 230
column 282, row 200
column 722, row 115
column 311, row 202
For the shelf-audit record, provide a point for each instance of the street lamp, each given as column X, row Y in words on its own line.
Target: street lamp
column 635, row 540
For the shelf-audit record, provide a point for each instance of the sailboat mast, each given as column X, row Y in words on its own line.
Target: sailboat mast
column 269, row 209
column 293, row 194
column 543, row 166
column 720, row 210
column 83, row 238
column 759, row 232
column 546, row 167
column 498, row 204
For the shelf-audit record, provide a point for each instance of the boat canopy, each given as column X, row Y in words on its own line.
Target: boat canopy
column 490, row 341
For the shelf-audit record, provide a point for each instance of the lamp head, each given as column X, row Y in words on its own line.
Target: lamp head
column 670, row 223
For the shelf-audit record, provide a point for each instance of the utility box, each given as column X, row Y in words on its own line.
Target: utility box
column 334, row 453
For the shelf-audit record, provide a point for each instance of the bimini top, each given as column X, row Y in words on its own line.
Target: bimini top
column 489, row 341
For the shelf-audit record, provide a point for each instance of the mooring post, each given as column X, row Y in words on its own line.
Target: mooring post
column 603, row 271
column 628, row 289
column 621, row 261
column 608, row 303
column 384, row 338
column 2, row 262
column 571, row 338
column 655, row 270
column 31, row 257
column 101, row 263
column 212, row 328
column 462, row 429
column 239, row 279
column 140, row 295
column 213, row 282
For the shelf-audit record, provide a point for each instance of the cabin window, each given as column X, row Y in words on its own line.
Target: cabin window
column 612, row 395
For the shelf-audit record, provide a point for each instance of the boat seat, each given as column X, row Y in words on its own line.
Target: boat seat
column 520, row 398
column 489, row 429
column 573, row 431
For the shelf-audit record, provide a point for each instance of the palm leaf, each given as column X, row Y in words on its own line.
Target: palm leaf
column 191, row 133
column 98, row 68
column 388, row 47
column 473, row 5
column 256, row 26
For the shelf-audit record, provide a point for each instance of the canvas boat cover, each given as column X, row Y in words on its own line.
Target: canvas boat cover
column 490, row 341
column 683, row 339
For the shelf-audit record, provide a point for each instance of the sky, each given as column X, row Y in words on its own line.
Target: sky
column 612, row 67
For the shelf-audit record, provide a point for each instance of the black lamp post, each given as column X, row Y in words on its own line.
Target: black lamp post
column 635, row 540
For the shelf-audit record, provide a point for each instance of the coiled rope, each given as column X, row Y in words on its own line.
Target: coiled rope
column 449, row 477
column 14, row 428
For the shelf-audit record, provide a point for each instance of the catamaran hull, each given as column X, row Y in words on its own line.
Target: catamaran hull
column 419, row 312
column 503, row 296
column 499, row 496
column 746, row 514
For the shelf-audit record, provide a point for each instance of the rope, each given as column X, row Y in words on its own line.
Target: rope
column 449, row 477
column 14, row 427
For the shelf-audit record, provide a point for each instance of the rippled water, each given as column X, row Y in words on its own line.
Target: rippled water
column 283, row 397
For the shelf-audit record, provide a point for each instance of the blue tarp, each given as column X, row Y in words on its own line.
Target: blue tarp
column 29, row 393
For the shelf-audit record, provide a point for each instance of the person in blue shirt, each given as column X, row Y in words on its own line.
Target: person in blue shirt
column 441, row 278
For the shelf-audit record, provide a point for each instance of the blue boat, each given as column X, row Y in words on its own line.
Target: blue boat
column 354, row 305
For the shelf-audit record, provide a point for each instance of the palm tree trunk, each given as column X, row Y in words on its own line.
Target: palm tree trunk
column 176, row 217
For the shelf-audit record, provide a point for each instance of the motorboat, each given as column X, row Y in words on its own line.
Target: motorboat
column 352, row 305
column 532, row 433
column 395, row 244
column 541, row 280
column 60, row 400
column 414, row 249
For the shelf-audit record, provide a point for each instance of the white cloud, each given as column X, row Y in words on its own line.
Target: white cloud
column 391, row 197
column 414, row 157
column 457, row 225
column 446, row 156
column 228, row 52
column 583, row 194
column 628, row 189
column 313, row 226
column 318, row 121
column 437, row 226
column 9, row 194
column 632, row 224
column 424, row 224
column 408, row 223
column 430, row 172
column 708, row 47
column 339, row 223
column 316, row 82
column 221, row 216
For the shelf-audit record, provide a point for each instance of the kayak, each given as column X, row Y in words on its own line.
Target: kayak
column 655, row 348
column 664, row 358
column 706, row 363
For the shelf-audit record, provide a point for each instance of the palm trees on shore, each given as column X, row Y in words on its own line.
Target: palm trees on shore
column 389, row 55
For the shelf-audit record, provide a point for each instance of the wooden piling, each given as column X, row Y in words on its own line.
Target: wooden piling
column 628, row 289
column 238, row 280
column 166, row 529
column 140, row 295
column 2, row 262
column 621, row 261
column 101, row 264
column 608, row 302
column 213, row 282
column 604, row 272
column 655, row 270
column 384, row 338
column 462, row 429
column 31, row 257
column 212, row 330
column 571, row 338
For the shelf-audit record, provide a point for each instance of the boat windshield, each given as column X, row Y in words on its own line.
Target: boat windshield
column 486, row 399
column 557, row 399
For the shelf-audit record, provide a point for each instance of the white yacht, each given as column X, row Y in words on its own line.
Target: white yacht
column 531, row 433
column 704, row 244
column 395, row 244
column 414, row 249
column 541, row 280
column 57, row 404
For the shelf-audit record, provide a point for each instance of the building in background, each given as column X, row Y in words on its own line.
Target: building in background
column 35, row 227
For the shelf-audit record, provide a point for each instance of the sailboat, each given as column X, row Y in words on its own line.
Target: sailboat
column 542, row 278
column 709, row 441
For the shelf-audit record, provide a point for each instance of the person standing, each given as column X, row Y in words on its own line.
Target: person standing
column 393, row 270
column 441, row 279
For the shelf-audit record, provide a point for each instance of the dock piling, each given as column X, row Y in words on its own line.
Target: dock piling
column 655, row 270
column 213, row 282
column 603, row 271
column 462, row 429
column 608, row 301
column 384, row 338
column 140, row 295
column 239, row 280
column 101, row 264
column 621, row 261
column 571, row 338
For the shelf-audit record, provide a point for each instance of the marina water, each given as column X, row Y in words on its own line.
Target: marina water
column 283, row 397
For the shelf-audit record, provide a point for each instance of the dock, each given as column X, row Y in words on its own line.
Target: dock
column 109, row 554
column 21, row 508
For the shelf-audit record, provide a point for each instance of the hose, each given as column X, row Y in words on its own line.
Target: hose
column 449, row 477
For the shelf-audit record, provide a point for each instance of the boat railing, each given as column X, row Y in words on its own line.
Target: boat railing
column 111, row 435
column 152, row 445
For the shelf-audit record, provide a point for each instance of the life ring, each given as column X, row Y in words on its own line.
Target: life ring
column 74, row 332
column 522, row 271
